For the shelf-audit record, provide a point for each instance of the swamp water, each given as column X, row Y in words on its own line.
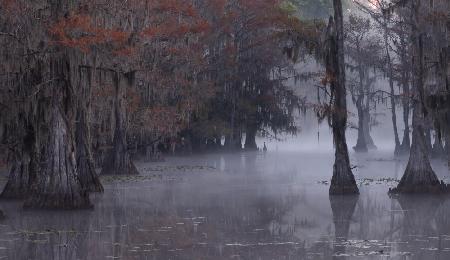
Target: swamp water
column 242, row 206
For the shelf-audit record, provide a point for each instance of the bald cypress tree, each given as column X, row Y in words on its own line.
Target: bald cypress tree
column 343, row 181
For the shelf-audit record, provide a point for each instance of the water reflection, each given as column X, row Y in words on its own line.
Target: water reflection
column 421, row 228
column 343, row 208
column 246, row 206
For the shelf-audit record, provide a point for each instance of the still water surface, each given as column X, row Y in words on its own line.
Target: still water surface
column 243, row 206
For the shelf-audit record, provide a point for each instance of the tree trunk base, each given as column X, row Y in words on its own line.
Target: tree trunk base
column 406, row 144
column 343, row 181
column 438, row 151
column 403, row 150
column 119, row 166
column 57, row 184
column 250, row 139
column 419, row 178
column 88, row 177
column 251, row 147
column 360, row 148
column 13, row 193
column 18, row 183
column 397, row 150
column 351, row 189
column 372, row 146
column 437, row 188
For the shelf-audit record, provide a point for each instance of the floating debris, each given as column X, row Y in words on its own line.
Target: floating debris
column 183, row 168
column 369, row 181
column 383, row 160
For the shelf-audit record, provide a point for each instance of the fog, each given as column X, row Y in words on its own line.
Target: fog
column 317, row 136
column 253, row 205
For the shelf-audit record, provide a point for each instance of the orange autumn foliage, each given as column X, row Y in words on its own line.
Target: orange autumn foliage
column 78, row 31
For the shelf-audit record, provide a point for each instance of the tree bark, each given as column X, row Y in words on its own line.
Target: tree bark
column 343, row 181
column 250, row 137
column 419, row 176
column 369, row 140
column 391, row 88
column 118, row 161
column 24, row 164
column 394, row 117
column 58, row 185
column 233, row 141
column 427, row 131
column 361, row 144
column 438, row 148
column 406, row 142
column 405, row 75
column 85, row 162
column 447, row 148
column 21, row 136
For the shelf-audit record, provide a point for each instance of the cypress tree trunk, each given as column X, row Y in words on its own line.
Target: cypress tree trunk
column 57, row 185
column 427, row 131
column 406, row 142
column 250, row 137
column 391, row 88
column 343, row 181
column 19, row 176
column 118, row 161
column 419, row 176
column 237, row 139
column 227, row 143
column 369, row 140
column 361, row 145
column 85, row 162
column 2, row 131
column 234, row 141
column 394, row 117
column 24, row 165
column 21, row 136
column 447, row 147
column 438, row 148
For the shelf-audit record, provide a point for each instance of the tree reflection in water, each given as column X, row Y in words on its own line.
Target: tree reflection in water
column 250, row 207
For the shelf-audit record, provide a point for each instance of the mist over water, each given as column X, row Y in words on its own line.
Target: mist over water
column 272, row 205
column 248, row 205
column 317, row 137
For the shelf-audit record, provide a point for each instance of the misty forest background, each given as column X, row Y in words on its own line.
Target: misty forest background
column 86, row 87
